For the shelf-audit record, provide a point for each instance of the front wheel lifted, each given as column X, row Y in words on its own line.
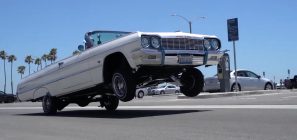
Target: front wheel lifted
column 49, row 105
column 192, row 81
column 123, row 84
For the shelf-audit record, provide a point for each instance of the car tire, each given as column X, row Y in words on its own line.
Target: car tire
column 268, row 86
column 192, row 81
column 123, row 85
column 110, row 103
column 162, row 92
column 233, row 87
column 140, row 94
column 176, row 92
column 49, row 105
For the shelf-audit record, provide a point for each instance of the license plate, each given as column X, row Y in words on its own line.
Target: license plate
column 185, row 59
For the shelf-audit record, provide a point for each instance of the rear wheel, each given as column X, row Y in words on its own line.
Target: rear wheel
column 140, row 94
column 192, row 81
column 110, row 103
column 49, row 105
column 233, row 87
column 123, row 84
column 268, row 86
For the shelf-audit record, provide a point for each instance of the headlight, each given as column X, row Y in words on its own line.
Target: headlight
column 145, row 42
column 207, row 44
column 215, row 44
column 212, row 44
column 155, row 42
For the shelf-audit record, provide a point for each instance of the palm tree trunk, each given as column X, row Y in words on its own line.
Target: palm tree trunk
column 29, row 69
column 11, row 78
column 4, row 77
column 21, row 76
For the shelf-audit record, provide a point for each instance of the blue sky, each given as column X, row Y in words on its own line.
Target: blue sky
column 267, row 29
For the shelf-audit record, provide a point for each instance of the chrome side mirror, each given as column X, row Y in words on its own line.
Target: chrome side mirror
column 81, row 48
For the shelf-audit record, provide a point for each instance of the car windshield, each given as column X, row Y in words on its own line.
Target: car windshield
column 97, row 38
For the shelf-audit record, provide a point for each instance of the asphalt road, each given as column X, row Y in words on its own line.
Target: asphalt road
column 254, row 117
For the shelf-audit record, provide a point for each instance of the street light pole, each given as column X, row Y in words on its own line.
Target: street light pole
column 190, row 25
column 188, row 21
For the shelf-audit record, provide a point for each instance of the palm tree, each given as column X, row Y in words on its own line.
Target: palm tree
column 29, row 60
column 53, row 54
column 44, row 58
column 49, row 58
column 11, row 59
column 3, row 56
column 38, row 63
column 21, row 70
column 75, row 52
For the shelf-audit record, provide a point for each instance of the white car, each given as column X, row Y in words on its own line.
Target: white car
column 165, row 88
column 247, row 81
column 112, row 64
column 141, row 92
column 211, row 84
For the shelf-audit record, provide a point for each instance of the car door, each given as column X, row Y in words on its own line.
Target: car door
column 243, row 80
column 255, row 81
column 74, row 73
column 170, row 89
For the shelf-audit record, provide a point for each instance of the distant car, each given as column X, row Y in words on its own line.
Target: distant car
column 247, row 81
column 141, row 92
column 211, row 84
column 165, row 89
column 291, row 83
column 7, row 98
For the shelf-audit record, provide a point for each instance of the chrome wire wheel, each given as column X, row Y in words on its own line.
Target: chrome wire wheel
column 119, row 85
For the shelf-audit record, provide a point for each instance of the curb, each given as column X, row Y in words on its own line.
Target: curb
column 230, row 94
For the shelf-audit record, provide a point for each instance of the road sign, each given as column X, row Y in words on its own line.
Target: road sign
column 232, row 29
column 232, row 25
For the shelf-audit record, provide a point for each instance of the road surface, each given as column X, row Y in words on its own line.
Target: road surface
column 253, row 117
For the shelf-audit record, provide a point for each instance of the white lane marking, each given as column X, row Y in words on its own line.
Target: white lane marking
column 248, row 98
column 287, row 97
column 172, row 107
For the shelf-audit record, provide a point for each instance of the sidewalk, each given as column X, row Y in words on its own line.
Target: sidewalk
column 205, row 95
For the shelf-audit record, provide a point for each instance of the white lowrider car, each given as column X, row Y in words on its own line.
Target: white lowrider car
column 112, row 64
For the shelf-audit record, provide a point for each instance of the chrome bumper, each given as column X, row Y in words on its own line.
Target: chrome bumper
column 171, row 57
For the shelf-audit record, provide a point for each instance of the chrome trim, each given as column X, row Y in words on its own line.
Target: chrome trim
column 182, row 44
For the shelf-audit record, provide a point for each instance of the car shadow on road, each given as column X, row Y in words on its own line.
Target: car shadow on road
column 118, row 114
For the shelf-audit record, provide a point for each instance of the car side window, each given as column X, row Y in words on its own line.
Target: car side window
column 241, row 74
column 171, row 87
column 251, row 74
